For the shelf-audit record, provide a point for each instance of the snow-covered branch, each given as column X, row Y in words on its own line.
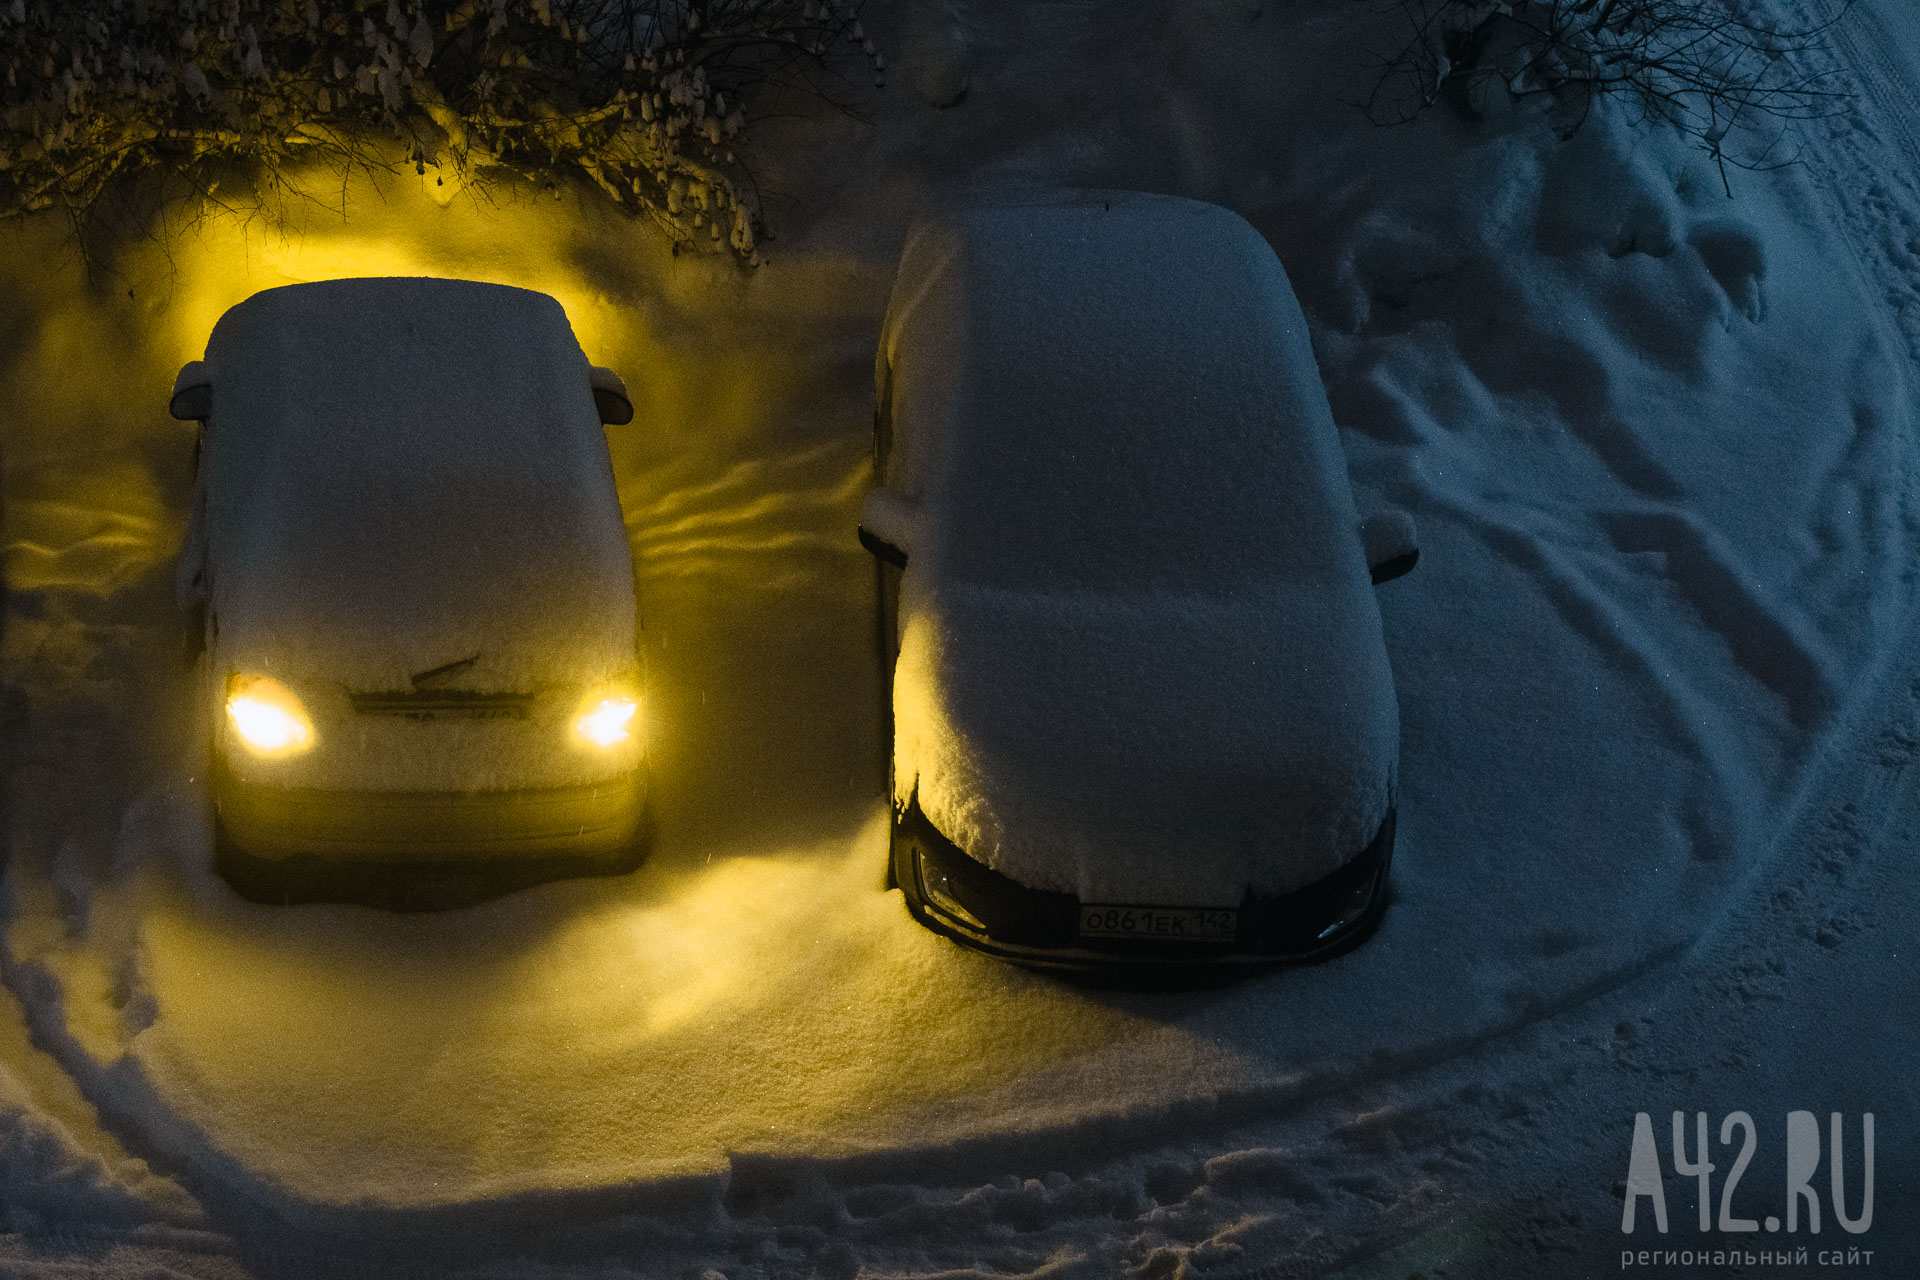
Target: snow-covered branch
column 646, row 99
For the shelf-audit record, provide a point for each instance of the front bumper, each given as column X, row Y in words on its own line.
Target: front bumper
column 954, row 895
column 281, row 822
column 424, row 848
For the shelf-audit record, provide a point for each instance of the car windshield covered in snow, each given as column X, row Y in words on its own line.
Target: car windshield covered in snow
column 1152, row 502
column 402, row 473
column 1105, row 447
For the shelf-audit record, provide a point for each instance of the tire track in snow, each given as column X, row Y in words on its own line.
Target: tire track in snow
column 1884, row 236
column 1888, row 84
column 1602, row 621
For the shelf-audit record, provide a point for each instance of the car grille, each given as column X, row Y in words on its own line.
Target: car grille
column 419, row 704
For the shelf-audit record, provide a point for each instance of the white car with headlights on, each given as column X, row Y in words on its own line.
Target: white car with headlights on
column 416, row 594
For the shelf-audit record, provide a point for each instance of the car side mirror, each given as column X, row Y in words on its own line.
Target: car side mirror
column 886, row 526
column 192, row 392
column 610, row 397
column 1391, row 547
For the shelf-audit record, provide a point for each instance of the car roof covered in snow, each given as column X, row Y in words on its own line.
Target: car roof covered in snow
column 404, row 472
column 1125, row 381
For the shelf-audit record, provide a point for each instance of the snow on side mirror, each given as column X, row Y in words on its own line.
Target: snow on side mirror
column 192, row 392
column 1390, row 544
column 886, row 526
column 610, row 397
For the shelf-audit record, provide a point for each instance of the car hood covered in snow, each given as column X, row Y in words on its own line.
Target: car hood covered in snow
column 1140, row 656
column 402, row 474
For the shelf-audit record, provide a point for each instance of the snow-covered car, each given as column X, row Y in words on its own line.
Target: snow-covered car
column 415, row 588
column 1142, row 716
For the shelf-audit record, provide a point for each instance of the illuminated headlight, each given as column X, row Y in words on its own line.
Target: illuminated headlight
column 606, row 718
column 267, row 716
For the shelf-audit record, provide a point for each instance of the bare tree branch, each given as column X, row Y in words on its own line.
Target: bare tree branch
column 1706, row 67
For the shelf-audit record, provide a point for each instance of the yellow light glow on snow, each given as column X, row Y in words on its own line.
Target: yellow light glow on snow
column 92, row 531
column 585, row 1034
column 267, row 716
column 608, row 724
column 394, row 225
column 93, row 374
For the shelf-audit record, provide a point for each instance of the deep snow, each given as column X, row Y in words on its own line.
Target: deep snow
column 1654, row 679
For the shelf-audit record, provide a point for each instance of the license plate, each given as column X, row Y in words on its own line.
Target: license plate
column 1163, row 924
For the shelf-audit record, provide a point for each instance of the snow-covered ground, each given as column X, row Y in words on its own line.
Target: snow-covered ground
column 1658, row 690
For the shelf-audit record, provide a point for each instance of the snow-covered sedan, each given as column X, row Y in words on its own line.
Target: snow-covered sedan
column 416, row 590
column 1143, row 719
